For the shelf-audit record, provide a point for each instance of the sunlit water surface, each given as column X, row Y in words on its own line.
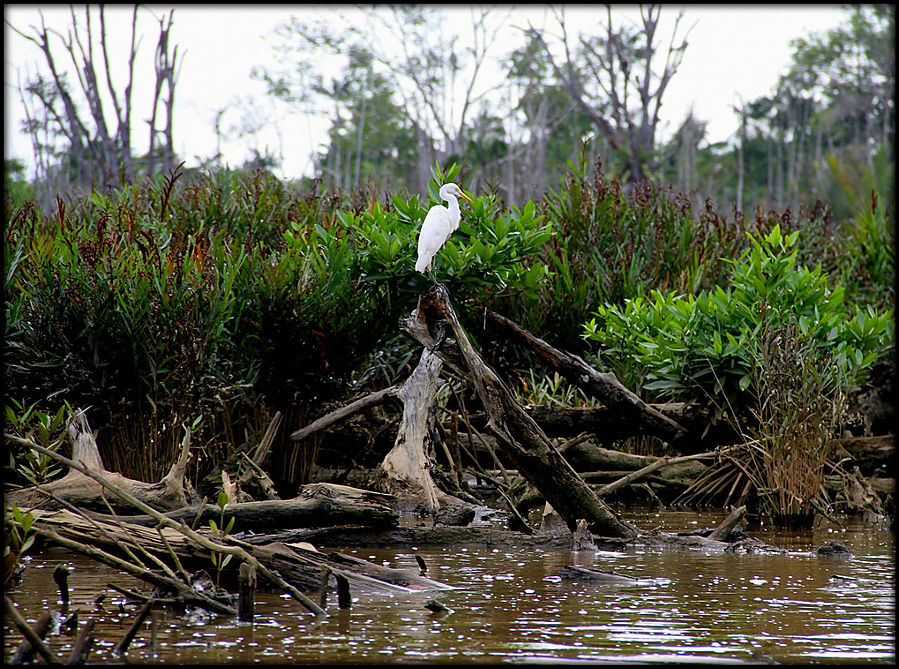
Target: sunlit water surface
column 510, row 605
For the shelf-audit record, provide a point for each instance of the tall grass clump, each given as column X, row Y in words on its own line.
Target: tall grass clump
column 799, row 407
column 146, row 305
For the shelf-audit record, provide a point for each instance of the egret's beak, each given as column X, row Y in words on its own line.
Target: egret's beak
column 462, row 194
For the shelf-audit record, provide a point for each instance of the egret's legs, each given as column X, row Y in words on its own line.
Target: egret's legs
column 431, row 270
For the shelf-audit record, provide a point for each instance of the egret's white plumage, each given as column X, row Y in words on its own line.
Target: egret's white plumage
column 438, row 225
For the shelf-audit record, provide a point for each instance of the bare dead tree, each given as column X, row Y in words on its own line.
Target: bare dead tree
column 427, row 72
column 167, row 71
column 615, row 79
column 67, row 106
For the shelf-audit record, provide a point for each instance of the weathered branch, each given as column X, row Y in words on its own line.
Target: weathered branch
column 602, row 385
column 723, row 530
column 326, row 421
column 180, row 527
column 36, row 642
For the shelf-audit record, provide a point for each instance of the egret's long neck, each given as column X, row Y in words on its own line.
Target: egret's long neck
column 454, row 212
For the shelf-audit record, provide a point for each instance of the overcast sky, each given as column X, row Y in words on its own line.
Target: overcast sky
column 735, row 52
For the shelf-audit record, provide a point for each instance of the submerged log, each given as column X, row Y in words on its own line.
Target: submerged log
column 316, row 505
column 519, row 436
column 573, row 572
column 25, row 650
column 86, row 492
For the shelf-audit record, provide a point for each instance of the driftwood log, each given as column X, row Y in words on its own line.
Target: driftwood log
column 299, row 564
column 86, row 492
column 519, row 436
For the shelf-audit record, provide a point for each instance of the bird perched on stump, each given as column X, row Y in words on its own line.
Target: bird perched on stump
column 438, row 225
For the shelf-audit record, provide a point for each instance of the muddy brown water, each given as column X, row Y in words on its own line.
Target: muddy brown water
column 510, row 605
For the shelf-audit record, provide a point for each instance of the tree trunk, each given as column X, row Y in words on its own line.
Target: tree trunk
column 404, row 471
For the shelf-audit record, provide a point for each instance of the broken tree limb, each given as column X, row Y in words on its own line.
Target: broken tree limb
column 182, row 590
column 316, row 505
column 520, row 437
column 122, row 646
column 265, row 445
column 602, row 385
column 254, row 475
column 83, row 644
column 326, row 421
column 37, row 644
column 25, row 650
column 648, row 469
column 724, row 529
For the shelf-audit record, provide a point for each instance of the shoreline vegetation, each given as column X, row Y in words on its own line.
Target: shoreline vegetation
column 214, row 301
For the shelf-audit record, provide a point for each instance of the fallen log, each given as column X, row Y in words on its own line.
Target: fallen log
column 164, row 522
column 253, row 476
column 25, row 650
column 36, row 643
column 587, row 456
column 869, row 454
column 316, row 505
column 606, row 426
column 299, row 565
column 519, row 436
column 602, row 385
column 495, row 537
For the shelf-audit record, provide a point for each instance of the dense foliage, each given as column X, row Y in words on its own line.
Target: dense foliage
column 212, row 300
column 677, row 346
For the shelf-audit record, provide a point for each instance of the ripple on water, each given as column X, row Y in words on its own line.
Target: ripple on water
column 511, row 605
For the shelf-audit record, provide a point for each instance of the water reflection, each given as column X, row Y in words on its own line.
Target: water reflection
column 510, row 605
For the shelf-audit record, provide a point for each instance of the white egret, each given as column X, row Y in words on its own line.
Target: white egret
column 438, row 225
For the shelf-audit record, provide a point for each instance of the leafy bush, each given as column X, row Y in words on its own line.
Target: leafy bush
column 682, row 346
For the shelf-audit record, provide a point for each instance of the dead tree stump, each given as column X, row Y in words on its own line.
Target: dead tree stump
column 535, row 456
